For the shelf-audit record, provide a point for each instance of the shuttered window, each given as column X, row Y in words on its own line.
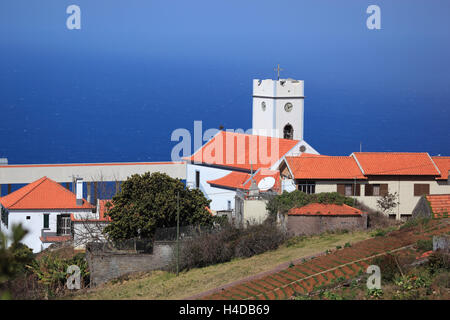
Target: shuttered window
column 349, row 190
column 421, row 189
column 376, row 189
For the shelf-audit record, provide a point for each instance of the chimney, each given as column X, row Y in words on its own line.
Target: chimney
column 79, row 190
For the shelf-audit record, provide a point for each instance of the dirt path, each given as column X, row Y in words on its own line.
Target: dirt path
column 303, row 276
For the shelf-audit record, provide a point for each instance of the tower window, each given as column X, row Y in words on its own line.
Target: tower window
column 288, row 132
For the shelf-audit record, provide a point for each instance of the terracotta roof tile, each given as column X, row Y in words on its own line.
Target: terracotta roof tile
column 321, row 209
column 396, row 163
column 440, row 204
column 42, row 194
column 443, row 163
column 324, row 167
column 238, row 150
column 241, row 180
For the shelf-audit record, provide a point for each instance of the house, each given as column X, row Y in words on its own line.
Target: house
column 45, row 208
column 316, row 218
column 367, row 176
column 433, row 206
column 89, row 228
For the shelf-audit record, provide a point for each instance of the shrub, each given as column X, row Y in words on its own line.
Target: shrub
column 347, row 245
column 288, row 200
column 419, row 221
column 438, row 260
column 229, row 243
column 425, row 245
column 388, row 266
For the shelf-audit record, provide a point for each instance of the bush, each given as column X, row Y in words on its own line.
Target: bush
column 425, row 245
column 229, row 243
column 438, row 261
column 287, row 200
column 388, row 267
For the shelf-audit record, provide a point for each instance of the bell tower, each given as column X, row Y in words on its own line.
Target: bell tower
column 278, row 108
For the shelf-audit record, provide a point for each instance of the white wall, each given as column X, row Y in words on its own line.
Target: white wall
column 219, row 196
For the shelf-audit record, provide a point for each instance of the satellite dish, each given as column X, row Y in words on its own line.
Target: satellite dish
column 266, row 183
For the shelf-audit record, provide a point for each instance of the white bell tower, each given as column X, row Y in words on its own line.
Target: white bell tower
column 278, row 108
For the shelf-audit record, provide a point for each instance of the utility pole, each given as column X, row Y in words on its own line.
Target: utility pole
column 178, row 232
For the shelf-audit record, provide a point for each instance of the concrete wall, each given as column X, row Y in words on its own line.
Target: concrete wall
column 255, row 212
column 21, row 174
column 403, row 186
column 308, row 225
column 105, row 266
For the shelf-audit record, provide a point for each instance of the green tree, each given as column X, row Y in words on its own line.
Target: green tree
column 149, row 201
column 13, row 258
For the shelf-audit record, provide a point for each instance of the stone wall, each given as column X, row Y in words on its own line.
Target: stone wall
column 308, row 225
column 105, row 266
column 441, row 242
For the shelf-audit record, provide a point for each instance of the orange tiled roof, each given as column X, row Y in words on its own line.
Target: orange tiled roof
column 241, row 180
column 440, row 204
column 238, row 150
column 321, row 209
column 46, row 239
column 42, row 194
column 309, row 166
column 443, row 163
column 396, row 163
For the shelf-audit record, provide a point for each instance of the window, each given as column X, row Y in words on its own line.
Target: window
column 28, row 217
column 307, row 186
column 46, row 220
column 421, row 189
column 288, row 132
column 349, row 189
column 64, row 225
column 197, row 179
column 229, row 204
column 4, row 216
column 376, row 190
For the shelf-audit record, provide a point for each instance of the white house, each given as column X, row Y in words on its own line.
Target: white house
column 226, row 161
column 45, row 209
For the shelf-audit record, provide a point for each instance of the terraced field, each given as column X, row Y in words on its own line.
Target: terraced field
column 343, row 263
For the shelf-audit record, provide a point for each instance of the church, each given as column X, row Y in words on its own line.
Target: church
column 230, row 159
column 276, row 157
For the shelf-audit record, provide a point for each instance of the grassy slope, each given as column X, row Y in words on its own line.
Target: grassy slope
column 164, row 285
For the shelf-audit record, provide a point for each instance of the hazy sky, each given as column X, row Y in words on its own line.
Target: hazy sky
column 139, row 69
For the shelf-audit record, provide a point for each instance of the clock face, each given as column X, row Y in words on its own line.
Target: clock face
column 288, row 107
column 263, row 106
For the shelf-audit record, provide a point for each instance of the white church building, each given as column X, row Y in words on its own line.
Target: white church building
column 228, row 160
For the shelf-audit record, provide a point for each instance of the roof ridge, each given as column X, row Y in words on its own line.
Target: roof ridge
column 28, row 192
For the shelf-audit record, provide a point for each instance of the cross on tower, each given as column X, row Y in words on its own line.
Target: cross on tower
column 278, row 69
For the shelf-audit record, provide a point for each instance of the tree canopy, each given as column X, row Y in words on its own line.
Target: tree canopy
column 149, row 201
